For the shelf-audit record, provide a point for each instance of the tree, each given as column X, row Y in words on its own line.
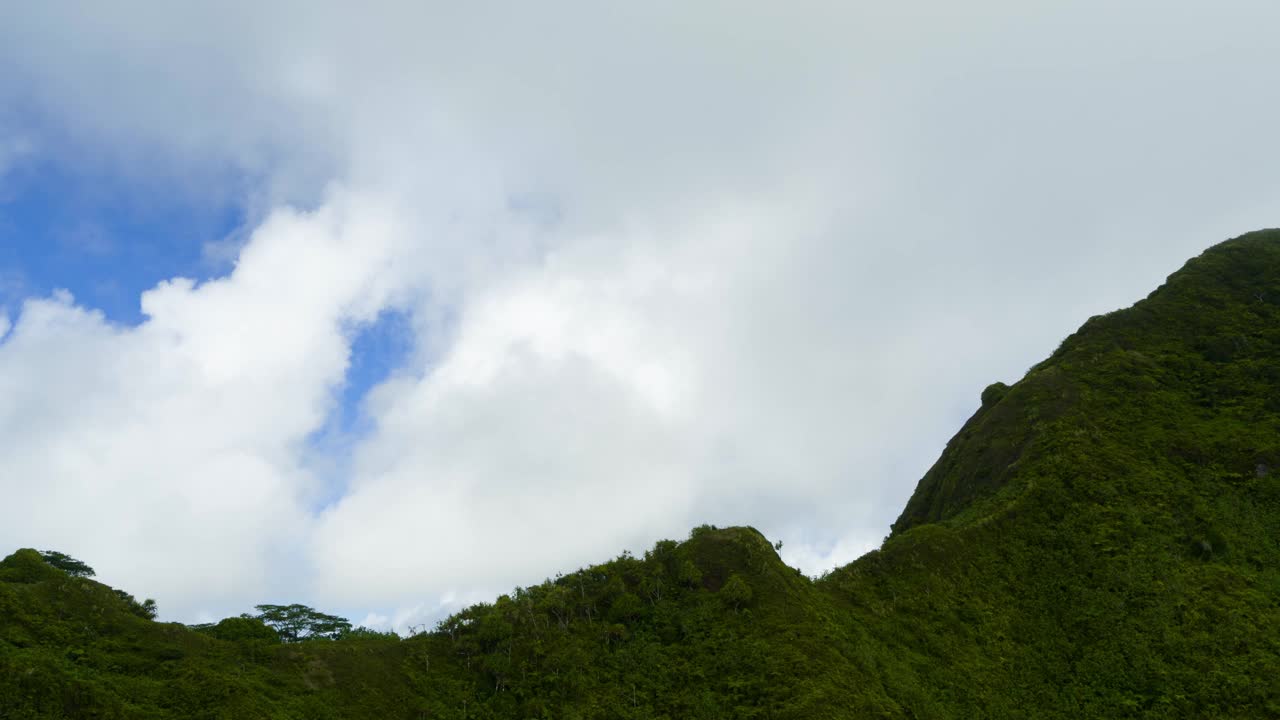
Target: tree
column 366, row 633
column 295, row 623
column 690, row 574
column 67, row 564
column 627, row 607
column 244, row 629
column 145, row 609
column 736, row 591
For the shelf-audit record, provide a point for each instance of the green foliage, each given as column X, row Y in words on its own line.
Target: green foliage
column 1101, row 539
column 66, row 563
column 145, row 609
column 736, row 592
column 364, row 633
column 690, row 575
column 241, row 629
column 994, row 393
column 27, row 566
column 294, row 623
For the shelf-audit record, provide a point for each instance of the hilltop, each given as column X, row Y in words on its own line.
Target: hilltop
column 1100, row 539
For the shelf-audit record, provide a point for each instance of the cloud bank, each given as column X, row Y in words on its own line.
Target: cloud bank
column 663, row 265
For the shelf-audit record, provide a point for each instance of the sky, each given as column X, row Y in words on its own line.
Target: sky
column 390, row 312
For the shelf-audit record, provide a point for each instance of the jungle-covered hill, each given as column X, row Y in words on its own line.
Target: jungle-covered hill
column 1101, row 539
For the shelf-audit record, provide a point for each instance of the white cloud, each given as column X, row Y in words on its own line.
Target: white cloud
column 175, row 450
column 668, row 264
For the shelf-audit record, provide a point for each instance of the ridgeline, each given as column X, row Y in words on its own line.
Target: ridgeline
column 1101, row 539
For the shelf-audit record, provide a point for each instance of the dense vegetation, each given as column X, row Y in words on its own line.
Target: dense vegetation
column 1101, row 539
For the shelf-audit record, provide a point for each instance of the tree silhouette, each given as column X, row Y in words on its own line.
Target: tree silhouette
column 295, row 623
column 67, row 564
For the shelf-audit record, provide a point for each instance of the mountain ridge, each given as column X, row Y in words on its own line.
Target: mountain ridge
column 1100, row 539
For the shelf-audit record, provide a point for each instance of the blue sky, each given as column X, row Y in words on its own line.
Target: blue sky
column 102, row 238
column 107, row 239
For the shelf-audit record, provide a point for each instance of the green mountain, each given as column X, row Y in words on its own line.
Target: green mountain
column 1101, row 539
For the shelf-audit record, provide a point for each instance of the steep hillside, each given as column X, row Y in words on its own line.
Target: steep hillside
column 1101, row 539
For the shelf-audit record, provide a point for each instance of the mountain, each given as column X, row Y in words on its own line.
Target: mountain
column 1100, row 539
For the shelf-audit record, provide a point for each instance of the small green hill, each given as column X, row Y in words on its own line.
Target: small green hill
column 1101, row 539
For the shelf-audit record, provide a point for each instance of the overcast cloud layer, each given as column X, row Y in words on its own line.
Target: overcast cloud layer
column 664, row 263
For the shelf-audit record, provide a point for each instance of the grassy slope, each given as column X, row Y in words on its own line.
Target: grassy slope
column 1100, row 539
